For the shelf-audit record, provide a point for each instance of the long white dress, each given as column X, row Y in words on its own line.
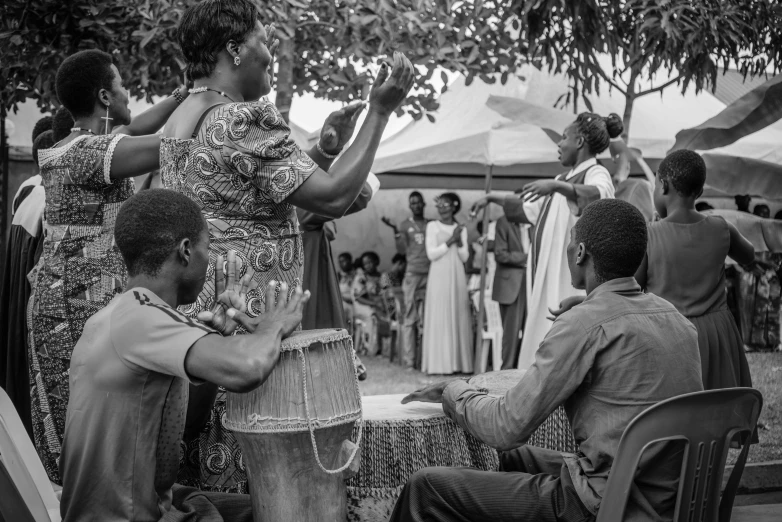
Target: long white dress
column 447, row 340
column 548, row 283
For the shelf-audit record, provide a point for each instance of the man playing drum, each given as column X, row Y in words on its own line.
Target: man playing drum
column 131, row 367
column 607, row 360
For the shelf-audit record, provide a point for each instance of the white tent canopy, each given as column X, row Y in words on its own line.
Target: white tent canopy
column 478, row 126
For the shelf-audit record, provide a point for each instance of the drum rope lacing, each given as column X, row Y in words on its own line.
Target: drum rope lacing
column 312, row 429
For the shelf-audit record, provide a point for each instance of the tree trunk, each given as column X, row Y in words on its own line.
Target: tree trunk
column 629, row 101
column 284, row 81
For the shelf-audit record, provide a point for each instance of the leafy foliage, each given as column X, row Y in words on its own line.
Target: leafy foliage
column 689, row 39
column 334, row 44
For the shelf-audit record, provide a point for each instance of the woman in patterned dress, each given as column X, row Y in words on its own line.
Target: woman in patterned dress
column 86, row 177
column 231, row 152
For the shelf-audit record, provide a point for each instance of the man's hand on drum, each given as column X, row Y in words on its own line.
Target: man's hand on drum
column 281, row 312
column 431, row 393
column 231, row 294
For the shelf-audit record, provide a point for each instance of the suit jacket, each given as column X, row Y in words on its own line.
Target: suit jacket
column 511, row 261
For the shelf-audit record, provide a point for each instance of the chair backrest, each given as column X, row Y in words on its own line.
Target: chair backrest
column 707, row 422
column 493, row 317
column 23, row 466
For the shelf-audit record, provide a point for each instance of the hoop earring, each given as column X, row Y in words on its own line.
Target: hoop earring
column 237, row 61
column 108, row 119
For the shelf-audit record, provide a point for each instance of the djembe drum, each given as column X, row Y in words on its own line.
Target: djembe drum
column 554, row 434
column 400, row 439
column 294, row 430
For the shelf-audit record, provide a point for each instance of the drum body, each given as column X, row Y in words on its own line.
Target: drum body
column 295, row 428
column 398, row 441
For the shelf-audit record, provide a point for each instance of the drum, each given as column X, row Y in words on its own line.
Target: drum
column 554, row 434
column 294, row 429
column 399, row 439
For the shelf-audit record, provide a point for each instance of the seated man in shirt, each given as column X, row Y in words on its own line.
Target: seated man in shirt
column 130, row 369
column 607, row 360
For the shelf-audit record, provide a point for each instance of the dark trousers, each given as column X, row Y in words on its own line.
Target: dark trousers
column 513, row 316
column 193, row 505
column 532, row 484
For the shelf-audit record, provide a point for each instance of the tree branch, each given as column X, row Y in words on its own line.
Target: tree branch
column 659, row 88
column 602, row 73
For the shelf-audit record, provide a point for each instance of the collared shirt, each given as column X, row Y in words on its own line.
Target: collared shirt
column 411, row 241
column 607, row 360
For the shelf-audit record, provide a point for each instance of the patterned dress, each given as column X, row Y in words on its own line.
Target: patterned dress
column 79, row 272
column 239, row 168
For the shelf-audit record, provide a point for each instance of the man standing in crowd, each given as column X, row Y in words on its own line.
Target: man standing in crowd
column 511, row 244
column 410, row 238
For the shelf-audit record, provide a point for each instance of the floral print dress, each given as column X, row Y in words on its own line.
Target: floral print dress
column 79, row 272
column 239, row 167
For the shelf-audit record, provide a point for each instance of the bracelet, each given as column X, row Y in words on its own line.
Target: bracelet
column 326, row 154
column 178, row 96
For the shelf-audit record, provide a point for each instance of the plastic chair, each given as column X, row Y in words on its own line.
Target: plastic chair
column 707, row 421
column 491, row 337
column 32, row 497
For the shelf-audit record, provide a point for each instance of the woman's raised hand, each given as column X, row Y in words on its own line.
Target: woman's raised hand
column 339, row 127
column 390, row 90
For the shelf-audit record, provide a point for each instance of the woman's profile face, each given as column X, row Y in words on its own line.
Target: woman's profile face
column 256, row 61
column 118, row 97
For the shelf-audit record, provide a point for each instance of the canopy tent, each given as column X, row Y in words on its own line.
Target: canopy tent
column 484, row 126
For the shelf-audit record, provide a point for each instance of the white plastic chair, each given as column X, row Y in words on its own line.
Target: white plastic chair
column 491, row 337
column 22, row 465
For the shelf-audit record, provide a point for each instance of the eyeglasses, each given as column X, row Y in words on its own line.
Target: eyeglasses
column 443, row 204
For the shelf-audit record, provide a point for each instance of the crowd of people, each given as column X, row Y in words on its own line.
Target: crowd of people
column 144, row 308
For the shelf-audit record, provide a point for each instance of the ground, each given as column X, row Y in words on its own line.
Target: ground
column 766, row 368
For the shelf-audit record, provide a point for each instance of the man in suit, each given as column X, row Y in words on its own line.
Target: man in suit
column 511, row 244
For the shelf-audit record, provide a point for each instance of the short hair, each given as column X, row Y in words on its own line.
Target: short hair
column 597, row 131
column 372, row 255
column 700, row 206
column 42, row 141
column 759, row 207
column 42, row 125
column 455, row 200
column 80, row 78
column 615, row 234
column 685, row 170
column 414, row 194
column 62, row 122
column 398, row 257
column 207, row 26
column 346, row 255
column 778, row 215
column 151, row 224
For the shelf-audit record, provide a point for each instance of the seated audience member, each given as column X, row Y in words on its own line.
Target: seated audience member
column 346, row 276
column 131, row 367
column 369, row 288
column 762, row 210
column 607, row 360
column 392, row 280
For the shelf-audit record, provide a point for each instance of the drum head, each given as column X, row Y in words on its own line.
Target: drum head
column 390, row 408
column 497, row 383
column 304, row 338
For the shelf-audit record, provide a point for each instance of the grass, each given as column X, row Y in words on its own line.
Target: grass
column 766, row 368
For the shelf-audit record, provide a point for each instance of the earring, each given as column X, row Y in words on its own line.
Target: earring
column 237, row 61
column 107, row 118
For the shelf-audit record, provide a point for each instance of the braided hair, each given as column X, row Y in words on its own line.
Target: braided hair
column 597, row 131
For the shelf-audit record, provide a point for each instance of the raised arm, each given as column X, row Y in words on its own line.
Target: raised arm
column 134, row 156
column 331, row 193
column 741, row 250
column 153, row 119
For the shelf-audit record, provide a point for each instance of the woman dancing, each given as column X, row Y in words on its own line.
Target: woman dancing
column 231, row 152
column 552, row 206
column 86, row 177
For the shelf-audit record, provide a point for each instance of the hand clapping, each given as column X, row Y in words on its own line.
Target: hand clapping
column 389, row 91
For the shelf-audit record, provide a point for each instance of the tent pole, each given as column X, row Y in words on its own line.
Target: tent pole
column 482, row 291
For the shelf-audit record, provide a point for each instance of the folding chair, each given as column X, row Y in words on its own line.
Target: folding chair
column 707, row 421
column 27, row 495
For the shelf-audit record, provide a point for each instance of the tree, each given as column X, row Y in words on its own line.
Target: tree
column 686, row 39
column 327, row 47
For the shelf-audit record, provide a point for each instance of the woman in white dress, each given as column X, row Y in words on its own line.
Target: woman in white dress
column 447, row 343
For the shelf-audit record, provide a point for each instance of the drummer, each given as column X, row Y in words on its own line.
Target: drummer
column 131, row 367
column 607, row 360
